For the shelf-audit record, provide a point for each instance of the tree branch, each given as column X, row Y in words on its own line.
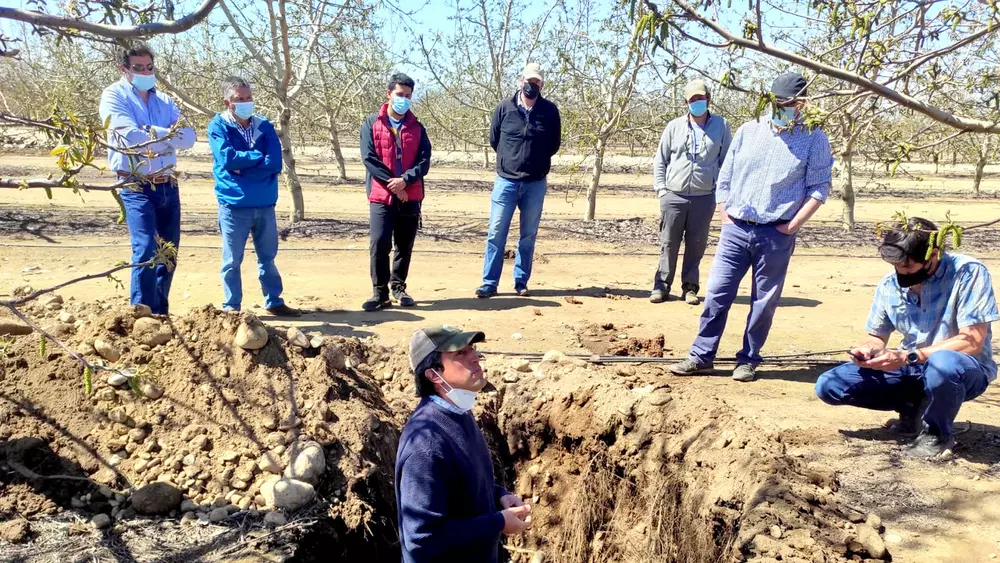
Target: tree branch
column 40, row 19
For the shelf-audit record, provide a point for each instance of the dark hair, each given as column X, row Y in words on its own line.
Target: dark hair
column 402, row 80
column 138, row 49
column 907, row 241
column 423, row 385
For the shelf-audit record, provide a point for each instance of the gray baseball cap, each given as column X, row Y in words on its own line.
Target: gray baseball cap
column 441, row 338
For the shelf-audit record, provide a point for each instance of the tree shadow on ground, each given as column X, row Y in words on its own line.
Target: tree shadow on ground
column 350, row 323
column 784, row 302
column 497, row 303
column 977, row 442
column 31, row 460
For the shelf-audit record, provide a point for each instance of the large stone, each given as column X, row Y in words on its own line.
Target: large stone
column 308, row 463
column 553, row 356
column 251, row 335
column 101, row 521
column 267, row 490
column 107, row 350
column 872, row 541
column 13, row 328
column 117, row 379
column 218, row 515
column 151, row 390
column 67, row 317
column 297, row 338
column 521, row 365
column 292, row 494
column 275, row 519
column 150, row 332
column 15, row 531
column 316, row 341
column 156, row 499
column 269, row 462
column 140, row 311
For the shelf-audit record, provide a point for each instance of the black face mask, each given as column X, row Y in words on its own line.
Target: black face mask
column 530, row 90
column 910, row 280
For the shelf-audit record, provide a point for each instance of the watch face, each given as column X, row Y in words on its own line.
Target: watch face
column 912, row 358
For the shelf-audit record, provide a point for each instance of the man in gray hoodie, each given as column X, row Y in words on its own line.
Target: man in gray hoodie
column 685, row 169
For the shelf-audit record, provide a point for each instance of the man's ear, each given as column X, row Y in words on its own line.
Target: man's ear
column 433, row 377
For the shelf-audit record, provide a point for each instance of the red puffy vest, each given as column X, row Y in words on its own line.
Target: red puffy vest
column 385, row 146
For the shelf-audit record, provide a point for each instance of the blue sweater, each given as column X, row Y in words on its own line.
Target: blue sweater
column 258, row 164
column 447, row 499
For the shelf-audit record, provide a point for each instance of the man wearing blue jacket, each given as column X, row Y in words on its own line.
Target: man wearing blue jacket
column 247, row 160
column 451, row 509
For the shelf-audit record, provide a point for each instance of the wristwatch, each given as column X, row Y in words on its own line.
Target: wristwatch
column 913, row 358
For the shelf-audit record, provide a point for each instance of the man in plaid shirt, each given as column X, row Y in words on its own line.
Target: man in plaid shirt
column 943, row 307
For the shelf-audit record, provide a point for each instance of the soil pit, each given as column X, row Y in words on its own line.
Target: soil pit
column 606, row 339
column 617, row 464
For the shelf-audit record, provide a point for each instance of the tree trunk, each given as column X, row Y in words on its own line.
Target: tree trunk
column 980, row 168
column 595, row 178
column 486, row 158
column 331, row 123
column 847, row 190
column 291, row 176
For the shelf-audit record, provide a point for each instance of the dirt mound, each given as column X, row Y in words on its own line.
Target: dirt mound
column 609, row 340
column 192, row 409
column 619, row 471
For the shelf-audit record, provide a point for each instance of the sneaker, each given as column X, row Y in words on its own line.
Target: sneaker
column 744, row 373
column 400, row 296
column 659, row 296
column 928, row 446
column 523, row 292
column 284, row 311
column 910, row 423
column 691, row 298
column 376, row 303
column 486, row 291
column 690, row 367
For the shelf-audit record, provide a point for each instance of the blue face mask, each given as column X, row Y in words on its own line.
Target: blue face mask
column 143, row 82
column 243, row 110
column 698, row 108
column 400, row 105
column 784, row 117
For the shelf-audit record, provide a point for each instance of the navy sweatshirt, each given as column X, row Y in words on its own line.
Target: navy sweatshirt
column 448, row 502
column 525, row 142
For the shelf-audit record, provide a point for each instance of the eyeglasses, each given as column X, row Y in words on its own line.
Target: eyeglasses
column 141, row 68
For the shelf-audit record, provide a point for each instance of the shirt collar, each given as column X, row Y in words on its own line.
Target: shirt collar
column 439, row 401
column 228, row 117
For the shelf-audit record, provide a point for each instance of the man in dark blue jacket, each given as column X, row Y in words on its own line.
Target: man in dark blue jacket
column 450, row 507
column 247, row 160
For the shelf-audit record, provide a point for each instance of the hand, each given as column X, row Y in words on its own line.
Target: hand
column 516, row 520
column 862, row 354
column 397, row 186
column 402, row 196
column 788, row 229
column 887, row 360
column 509, row 501
column 724, row 217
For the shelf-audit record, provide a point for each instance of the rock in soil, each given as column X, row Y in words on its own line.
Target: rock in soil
column 101, row 521
column 107, row 350
column 150, row 332
column 15, row 531
column 275, row 519
column 287, row 494
column 308, row 463
column 251, row 335
column 218, row 514
column 297, row 338
column 872, row 542
column 12, row 328
column 156, row 498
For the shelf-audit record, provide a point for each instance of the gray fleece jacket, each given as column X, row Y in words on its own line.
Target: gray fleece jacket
column 689, row 158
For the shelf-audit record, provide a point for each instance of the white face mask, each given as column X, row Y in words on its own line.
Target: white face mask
column 463, row 398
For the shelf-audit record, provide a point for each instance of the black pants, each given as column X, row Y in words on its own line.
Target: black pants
column 394, row 223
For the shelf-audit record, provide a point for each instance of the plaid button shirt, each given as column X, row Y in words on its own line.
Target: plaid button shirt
column 767, row 175
column 957, row 296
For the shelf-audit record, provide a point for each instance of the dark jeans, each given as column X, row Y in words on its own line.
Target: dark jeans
column 947, row 379
column 686, row 218
column 394, row 223
column 153, row 211
column 743, row 246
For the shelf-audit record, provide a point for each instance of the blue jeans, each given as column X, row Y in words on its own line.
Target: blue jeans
column 742, row 247
column 155, row 211
column 947, row 380
column 236, row 224
column 508, row 195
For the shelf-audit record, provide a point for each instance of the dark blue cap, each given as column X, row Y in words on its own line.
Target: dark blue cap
column 789, row 86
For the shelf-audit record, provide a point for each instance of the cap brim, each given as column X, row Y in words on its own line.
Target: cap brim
column 530, row 75
column 460, row 340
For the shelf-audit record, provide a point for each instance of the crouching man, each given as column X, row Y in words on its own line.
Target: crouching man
column 450, row 507
column 943, row 307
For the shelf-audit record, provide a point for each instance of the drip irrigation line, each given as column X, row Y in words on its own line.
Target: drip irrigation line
column 804, row 358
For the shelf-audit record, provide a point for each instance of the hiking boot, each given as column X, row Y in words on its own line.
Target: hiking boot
column 284, row 311
column 376, row 302
column 400, row 296
column 744, row 373
column 659, row 295
column 910, row 423
column 691, row 298
column 691, row 367
column 486, row 291
column 928, row 446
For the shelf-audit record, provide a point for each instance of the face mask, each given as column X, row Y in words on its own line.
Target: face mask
column 698, row 108
column 784, row 117
column 910, row 280
column 530, row 90
column 400, row 105
column 463, row 398
column 243, row 110
column 143, row 82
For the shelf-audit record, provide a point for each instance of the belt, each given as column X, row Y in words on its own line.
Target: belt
column 771, row 224
column 155, row 180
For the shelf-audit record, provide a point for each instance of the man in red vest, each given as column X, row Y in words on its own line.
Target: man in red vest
column 397, row 155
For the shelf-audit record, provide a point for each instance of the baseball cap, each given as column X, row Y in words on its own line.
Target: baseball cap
column 533, row 70
column 441, row 338
column 789, row 86
column 694, row 88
